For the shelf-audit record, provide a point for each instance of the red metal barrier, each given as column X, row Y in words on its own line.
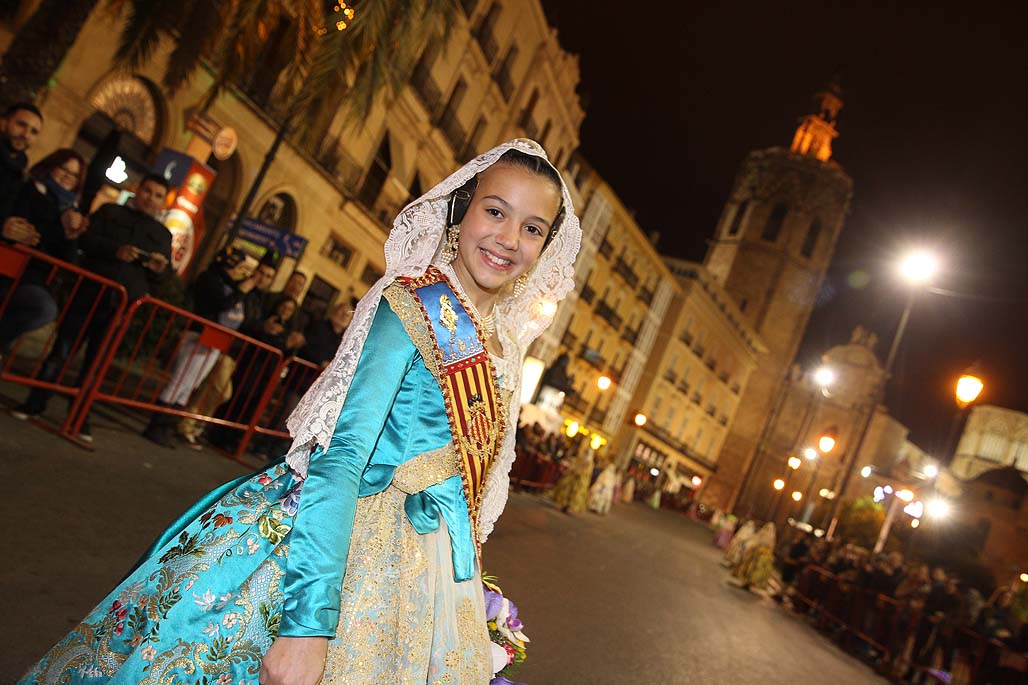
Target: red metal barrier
column 534, row 469
column 294, row 376
column 163, row 351
column 82, row 298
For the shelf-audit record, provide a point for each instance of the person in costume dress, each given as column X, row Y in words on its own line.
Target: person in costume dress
column 601, row 494
column 756, row 566
column 725, row 531
column 734, row 552
column 356, row 557
column 572, row 490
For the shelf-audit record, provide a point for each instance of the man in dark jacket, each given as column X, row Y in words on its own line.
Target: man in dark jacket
column 19, row 127
column 125, row 244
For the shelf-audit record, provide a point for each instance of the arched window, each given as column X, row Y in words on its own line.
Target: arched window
column 279, row 211
column 773, row 227
column 376, row 176
column 740, row 214
column 810, row 242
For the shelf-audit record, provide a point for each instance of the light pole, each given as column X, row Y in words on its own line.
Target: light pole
column 793, row 463
column 968, row 389
column 602, row 384
column 917, row 269
column 825, row 444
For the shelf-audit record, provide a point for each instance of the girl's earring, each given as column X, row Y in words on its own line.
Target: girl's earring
column 449, row 253
column 520, row 283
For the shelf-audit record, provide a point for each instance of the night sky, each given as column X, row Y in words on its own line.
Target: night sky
column 932, row 132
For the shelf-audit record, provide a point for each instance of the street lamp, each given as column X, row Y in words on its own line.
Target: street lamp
column 825, row 444
column 640, row 420
column 968, row 389
column 778, row 484
column 797, row 495
column 866, row 472
column 917, row 268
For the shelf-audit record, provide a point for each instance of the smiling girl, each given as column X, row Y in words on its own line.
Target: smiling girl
column 356, row 557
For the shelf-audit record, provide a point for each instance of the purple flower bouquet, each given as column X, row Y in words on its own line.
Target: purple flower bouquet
column 505, row 633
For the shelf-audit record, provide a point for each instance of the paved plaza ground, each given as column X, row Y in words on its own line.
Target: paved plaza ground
column 634, row 597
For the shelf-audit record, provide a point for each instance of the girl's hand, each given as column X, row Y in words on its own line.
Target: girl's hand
column 294, row 661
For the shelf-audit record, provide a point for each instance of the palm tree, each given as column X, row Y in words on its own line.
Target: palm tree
column 40, row 46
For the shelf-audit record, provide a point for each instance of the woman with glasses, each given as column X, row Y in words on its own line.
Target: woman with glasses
column 52, row 223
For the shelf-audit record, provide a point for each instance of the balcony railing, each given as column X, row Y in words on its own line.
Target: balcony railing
column 487, row 41
column 684, row 388
column 645, row 296
column 699, row 350
column 606, row 248
column 569, row 339
column 671, row 377
column 588, row 294
column 630, row 336
column 687, row 338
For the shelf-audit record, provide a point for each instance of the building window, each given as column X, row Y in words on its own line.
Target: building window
column 469, row 6
column 370, row 275
column 504, row 75
column 484, row 32
column 337, row 250
column 743, row 303
column 527, row 120
column 773, row 227
column 740, row 214
column 423, row 83
column 376, row 176
column 810, row 242
column 475, row 139
column 449, row 123
column 545, row 133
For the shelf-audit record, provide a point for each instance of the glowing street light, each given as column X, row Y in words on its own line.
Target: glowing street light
column 969, row 387
column 905, row 495
column 778, row 484
column 797, row 495
column 603, row 383
column 824, row 376
column 919, row 267
column 697, row 481
column 866, row 472
column 809, row 453
column 938, row 508
column 640, row 420
column 572, row 429
column 826, row 443
column 794, row 463
column 914, row 523
column 1024, row 577
column 931, row 470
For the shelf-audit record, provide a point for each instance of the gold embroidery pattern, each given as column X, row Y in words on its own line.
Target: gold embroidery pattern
column 407, row 309
column 403, row 619
column 426, row 470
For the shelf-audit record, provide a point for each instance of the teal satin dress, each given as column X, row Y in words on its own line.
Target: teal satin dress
column 373, row 550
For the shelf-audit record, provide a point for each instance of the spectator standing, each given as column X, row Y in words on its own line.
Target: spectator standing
column 125, row 244
column 48, row 204
column 292, row 289
column 217, row 296
column 20, row 125
column 322, row 337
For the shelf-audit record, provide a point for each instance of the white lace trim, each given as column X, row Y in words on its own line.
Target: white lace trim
column 414, row 242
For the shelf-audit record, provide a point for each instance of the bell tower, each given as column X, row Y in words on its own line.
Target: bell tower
column 770, row 251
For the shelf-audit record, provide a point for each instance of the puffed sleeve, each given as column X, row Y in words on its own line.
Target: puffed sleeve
column 320, row 538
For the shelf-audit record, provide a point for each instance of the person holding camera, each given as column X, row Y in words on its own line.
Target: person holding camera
column 125, row 244
column 217, row 296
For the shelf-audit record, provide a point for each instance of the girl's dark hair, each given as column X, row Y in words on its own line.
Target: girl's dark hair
column 536, row 165
column 41, row 169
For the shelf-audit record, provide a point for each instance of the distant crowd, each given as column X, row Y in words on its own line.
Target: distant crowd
column 915, row 623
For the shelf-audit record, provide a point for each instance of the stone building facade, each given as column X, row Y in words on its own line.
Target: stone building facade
column 770, row 251
column 993, row 437
column 500, row 73
column 608, row 325
column 690, row 388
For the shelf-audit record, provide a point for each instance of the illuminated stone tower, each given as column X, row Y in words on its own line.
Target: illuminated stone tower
column 773, row 244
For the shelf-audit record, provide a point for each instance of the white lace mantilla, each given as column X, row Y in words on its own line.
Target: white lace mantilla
column 414, row 242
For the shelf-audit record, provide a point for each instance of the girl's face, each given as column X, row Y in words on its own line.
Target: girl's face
column 505, row 228
column 67, row 175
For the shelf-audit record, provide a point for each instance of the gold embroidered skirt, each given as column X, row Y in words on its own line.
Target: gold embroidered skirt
column 403, row 619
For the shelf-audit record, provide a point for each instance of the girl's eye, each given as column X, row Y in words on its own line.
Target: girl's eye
column 494, row 212
column 534, row 229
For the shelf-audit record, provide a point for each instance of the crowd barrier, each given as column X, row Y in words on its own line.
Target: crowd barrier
column 294, row 376
column 161, row 354
column 533, row 468
column 79, row 300
column 902, row 639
